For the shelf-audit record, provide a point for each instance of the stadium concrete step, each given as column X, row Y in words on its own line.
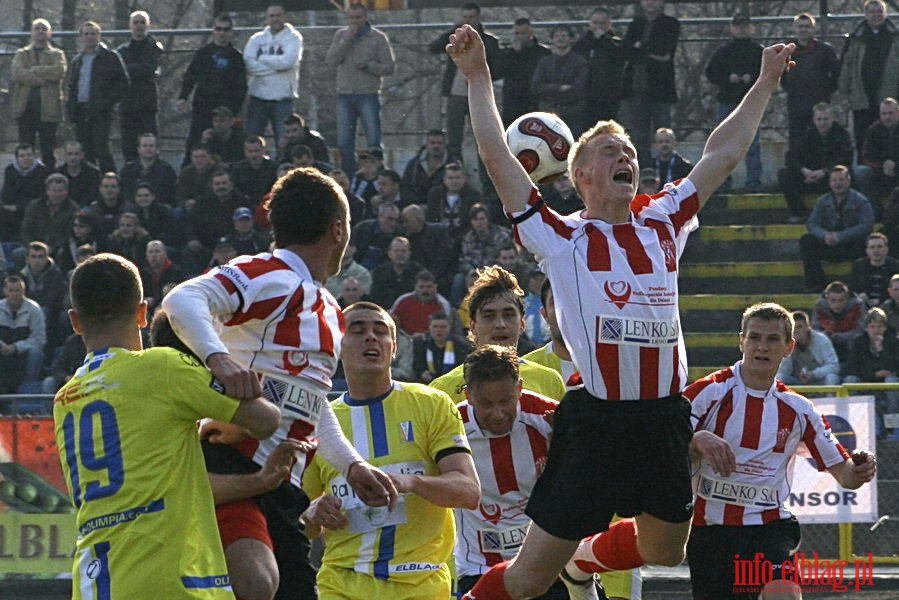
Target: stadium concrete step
column 774, row 277
column 722, row 312
column 756, row 209
column 737, row 242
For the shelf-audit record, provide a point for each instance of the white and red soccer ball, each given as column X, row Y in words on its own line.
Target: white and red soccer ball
column 541, row 142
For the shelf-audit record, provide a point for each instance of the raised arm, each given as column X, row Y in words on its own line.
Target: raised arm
column 512, row 183
column 730, row 141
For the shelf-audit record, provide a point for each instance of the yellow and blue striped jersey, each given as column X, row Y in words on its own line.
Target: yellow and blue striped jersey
column 404, row 431
column 131, row 457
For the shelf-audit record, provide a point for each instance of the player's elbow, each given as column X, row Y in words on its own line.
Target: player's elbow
column 263, row 420
column 471, row 495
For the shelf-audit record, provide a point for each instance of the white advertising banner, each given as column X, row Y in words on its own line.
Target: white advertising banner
column 816, row 497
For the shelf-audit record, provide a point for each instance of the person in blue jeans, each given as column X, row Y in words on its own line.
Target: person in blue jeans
column 362, row 57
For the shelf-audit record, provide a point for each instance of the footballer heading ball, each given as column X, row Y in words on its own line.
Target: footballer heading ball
column 541, row 143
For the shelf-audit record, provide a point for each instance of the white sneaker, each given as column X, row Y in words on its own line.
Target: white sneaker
column 579, row 590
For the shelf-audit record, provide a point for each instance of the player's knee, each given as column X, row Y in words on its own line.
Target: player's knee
column 664, row 556
column 261, row 586
column 529, row 584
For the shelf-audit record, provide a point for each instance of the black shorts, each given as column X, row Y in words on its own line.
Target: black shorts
column 606, row 458
column 711, row 551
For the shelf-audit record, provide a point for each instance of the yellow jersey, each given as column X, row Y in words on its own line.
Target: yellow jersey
column 130, row 453
column 405, row 431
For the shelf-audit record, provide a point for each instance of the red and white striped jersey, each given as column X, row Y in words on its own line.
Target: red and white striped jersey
column 615, row 290
column 508, row 467
column 282, row 324
column 765, row 428
column 281, row 321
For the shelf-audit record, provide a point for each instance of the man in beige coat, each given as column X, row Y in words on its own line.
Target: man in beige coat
column 363, row 57
column 37, row 73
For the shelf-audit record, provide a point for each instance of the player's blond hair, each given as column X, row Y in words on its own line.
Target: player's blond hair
column 600, row 128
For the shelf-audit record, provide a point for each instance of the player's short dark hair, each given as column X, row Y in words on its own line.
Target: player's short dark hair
column 472, row 6
column 768, row 311
column 105, row 289
column 435, row 133
column 438, row 316
column 303, row 203
column 562, row 27
column 162, row 335
column 223, row 18
column 494, row 282
column 255, row 139
column 23, row 146
column 522, row 21
column 491, row 363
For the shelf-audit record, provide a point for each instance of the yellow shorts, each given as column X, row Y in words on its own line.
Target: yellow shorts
column 337, row 583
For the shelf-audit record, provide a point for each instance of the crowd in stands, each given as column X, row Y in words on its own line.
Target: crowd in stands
column 420, row 230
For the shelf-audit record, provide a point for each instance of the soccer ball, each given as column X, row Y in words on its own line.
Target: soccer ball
column 541, row 143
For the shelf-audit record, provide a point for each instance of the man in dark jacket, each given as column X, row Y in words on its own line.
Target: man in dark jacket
column 217, row 77
column 650, row 44
column 876, row 173
column 454, row 86
column 137, row 113
column 91, row 99
column 516, row 66
column 824, row 145
column 605, row 54
column 813, row 79
column 425, row 170
column 734, row 67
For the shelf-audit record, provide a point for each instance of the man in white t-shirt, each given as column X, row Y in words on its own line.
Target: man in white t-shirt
column 614, row 273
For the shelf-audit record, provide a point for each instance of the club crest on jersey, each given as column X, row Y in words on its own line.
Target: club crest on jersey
column 294, row 362
column 618, row 292
column 492, row 513
column 782, row 435
column 670, row 252
column 406, row 431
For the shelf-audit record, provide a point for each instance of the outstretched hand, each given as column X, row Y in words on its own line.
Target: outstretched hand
column 466, row 48
column 776, row 61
